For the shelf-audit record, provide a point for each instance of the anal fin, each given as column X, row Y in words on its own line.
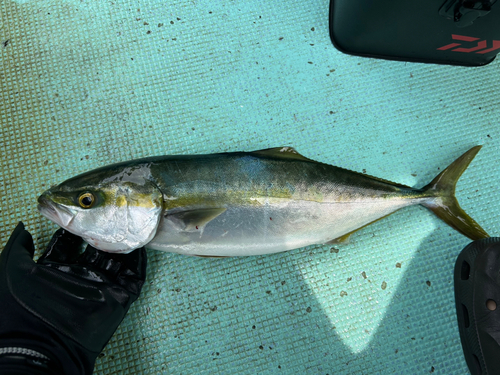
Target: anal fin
column 342, row 239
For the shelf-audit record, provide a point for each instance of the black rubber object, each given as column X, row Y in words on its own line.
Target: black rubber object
column 477, row 298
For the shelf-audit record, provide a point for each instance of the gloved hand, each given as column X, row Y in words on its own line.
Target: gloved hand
column 57, row 315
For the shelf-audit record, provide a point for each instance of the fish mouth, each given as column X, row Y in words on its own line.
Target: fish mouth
column 54, row 211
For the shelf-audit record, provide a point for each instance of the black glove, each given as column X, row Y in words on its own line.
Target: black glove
column 57, row 315
column 477, row 297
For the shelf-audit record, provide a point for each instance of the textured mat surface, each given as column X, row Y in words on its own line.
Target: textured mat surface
column 87, row 83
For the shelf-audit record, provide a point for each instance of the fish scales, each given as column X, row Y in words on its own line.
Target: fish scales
column 242, row 203
column 270, row 204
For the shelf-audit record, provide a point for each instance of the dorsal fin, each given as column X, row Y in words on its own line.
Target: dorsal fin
column 281, row 153
column 290, row 153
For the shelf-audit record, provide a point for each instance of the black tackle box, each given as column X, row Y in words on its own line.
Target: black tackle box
column 457, row 32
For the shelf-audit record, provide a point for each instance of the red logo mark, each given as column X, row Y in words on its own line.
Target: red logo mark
column 479, row 48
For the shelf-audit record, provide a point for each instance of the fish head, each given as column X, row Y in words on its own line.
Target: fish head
column 115, row 214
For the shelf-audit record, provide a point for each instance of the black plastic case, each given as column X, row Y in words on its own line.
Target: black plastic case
column 456, row 32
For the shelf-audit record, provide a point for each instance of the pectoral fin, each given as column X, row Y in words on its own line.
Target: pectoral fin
column 195, row 220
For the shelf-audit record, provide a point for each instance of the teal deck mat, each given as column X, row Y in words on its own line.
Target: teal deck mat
column 87, row 83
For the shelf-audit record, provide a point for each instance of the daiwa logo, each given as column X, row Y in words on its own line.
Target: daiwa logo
column 481, row 46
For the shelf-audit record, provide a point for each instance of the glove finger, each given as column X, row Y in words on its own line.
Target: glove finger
column 100, row 261
column 133, row 271
column 85, row 266
column 125, row 270
column 19, row 248
column 64, row 247
column 134, row 264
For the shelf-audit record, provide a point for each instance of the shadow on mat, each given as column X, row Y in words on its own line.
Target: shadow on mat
column 258, row 315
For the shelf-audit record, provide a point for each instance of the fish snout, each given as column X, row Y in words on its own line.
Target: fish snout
column 53, row 211
column 43, row 199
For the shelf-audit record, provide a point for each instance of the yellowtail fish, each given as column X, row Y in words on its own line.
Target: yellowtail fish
column 240, row 203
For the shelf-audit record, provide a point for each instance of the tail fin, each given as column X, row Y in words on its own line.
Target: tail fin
column 446, row 206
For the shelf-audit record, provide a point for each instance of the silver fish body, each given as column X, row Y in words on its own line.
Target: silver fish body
column 238, row 203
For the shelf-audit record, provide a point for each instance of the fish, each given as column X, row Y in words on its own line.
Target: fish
column 239, row 203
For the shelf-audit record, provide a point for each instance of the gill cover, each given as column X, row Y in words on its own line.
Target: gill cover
column 127, row 220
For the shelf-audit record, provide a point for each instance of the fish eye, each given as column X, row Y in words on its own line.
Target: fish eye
column 86, row 200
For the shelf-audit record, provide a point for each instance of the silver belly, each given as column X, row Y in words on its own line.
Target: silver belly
column 272, row 226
